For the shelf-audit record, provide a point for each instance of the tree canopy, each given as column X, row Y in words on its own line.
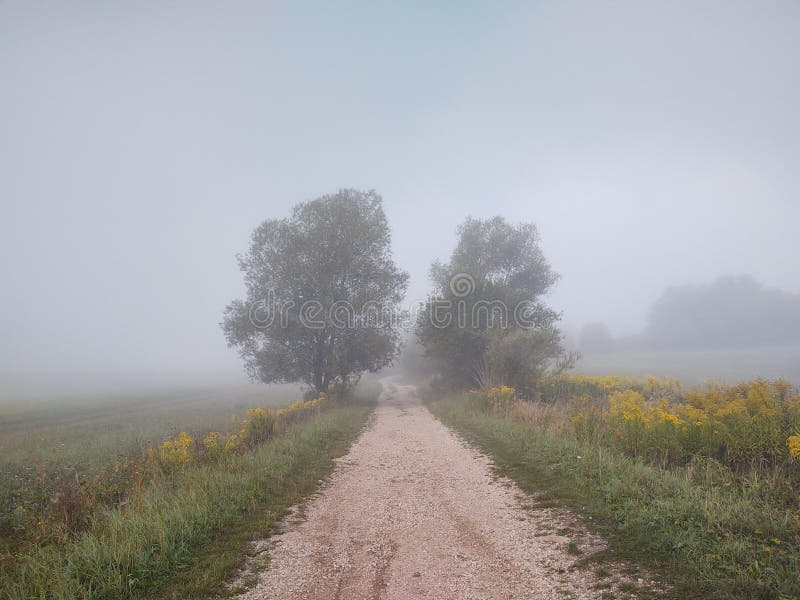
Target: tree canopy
column 487, row 305
column 322, row 294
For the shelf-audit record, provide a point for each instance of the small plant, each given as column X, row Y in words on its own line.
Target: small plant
column 257, row 427
column 173, row 455
column 502, row 398
column 213, row 450
column 794, row 446
column 572, row 548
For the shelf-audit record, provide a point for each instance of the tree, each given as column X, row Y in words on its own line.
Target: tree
column 730, row 312
column 322, row 294
column 492, row 287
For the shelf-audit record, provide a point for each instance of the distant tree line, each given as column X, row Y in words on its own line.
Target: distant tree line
column 730, row 312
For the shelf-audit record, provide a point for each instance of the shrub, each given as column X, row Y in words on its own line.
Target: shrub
column 213, row 450
column 600, row 387
column 173, row 455
column 257, row 427
column 743, row 426
column 502, row 398
column 794, row 446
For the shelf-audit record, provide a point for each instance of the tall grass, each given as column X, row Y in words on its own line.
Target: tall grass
column 85, row 431
column 709, row 539
column 134, row 550
column 59, row 456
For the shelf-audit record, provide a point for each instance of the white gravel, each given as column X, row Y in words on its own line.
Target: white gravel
column 414, row 512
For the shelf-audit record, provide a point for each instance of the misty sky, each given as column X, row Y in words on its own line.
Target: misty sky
column 653, row 143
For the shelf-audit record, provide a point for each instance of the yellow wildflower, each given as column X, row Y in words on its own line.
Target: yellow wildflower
column 794, row 445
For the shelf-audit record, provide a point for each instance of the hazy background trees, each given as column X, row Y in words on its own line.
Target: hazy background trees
column 322, row 294
column 730, row 312
column 730, row 328
column 727, row 313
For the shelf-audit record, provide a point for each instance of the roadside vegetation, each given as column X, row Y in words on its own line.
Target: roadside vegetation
column 699, row 485
column 93, row 443
column 92, row 507
column 188, row 504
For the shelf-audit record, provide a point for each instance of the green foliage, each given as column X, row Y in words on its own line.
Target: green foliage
column 491, row 287
column 326, row 289
column 522, row 359
column 134, row 550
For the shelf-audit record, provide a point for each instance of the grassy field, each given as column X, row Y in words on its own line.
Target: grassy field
column 83, row 430
column 99, row 438
column 696, row 366
column 152, row 528
column 709, row 532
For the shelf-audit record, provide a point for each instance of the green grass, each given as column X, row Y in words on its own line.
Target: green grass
column 85, row 430
column 704, row 541
column 183, row 538
column 97, row 440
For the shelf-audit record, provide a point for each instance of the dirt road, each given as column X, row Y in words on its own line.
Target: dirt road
column 413, row 512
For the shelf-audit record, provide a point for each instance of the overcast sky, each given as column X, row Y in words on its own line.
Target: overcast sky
column 653, row 143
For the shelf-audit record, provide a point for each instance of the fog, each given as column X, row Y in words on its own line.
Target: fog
column 653, row 144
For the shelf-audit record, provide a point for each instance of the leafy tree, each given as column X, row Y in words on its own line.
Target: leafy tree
column 322, row 294
column 492, row 287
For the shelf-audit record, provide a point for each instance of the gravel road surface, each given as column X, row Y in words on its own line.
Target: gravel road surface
column 414, row 512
